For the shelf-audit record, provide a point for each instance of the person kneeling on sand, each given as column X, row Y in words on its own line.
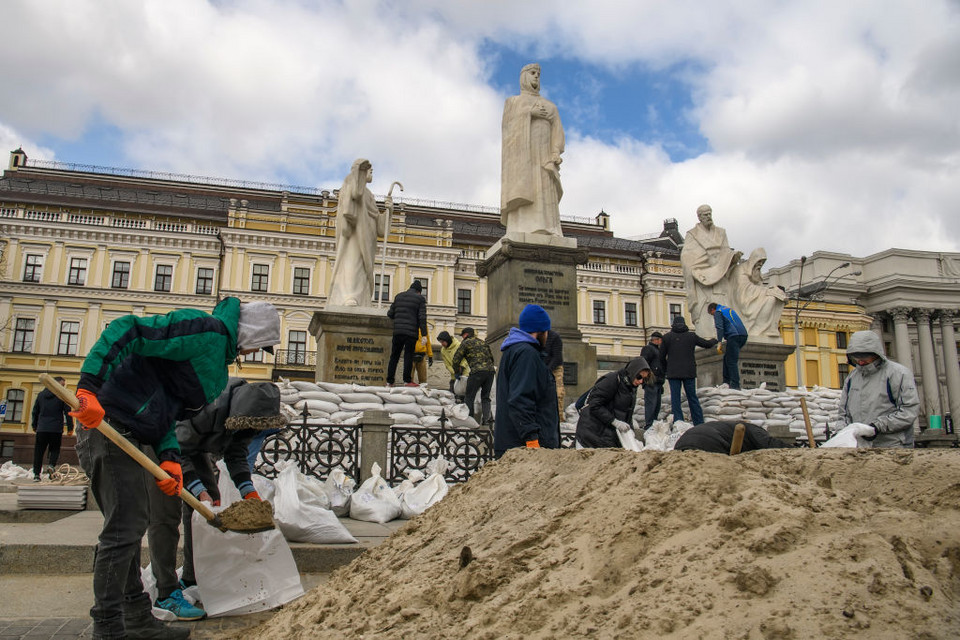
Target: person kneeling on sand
column 716, row 437
column 609, row 405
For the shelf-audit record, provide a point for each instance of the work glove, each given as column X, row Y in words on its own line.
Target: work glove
column 621, row 426
column 865, row 430
column 720, row 346
column 172, row 485
column 89, row 414
column 253, row 495
column 533, row 444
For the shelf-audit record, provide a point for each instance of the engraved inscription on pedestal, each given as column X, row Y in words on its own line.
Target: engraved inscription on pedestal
column 359, row 358
column 352, row 346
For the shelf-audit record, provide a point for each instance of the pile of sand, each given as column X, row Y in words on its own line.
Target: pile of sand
column 603, row 543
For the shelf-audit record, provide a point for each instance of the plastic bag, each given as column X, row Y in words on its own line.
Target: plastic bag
column 300, row 509
column 339, row 488
column 460, row 386
column 846, row 438
column 426, row 494
column 240, row 573
column 149, row 580
column 629, row 441
column 374, row 500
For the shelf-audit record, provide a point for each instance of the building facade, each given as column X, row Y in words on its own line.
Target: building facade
column 81, row 246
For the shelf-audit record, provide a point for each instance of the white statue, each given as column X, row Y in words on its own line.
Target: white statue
column 530, row 188
column 758, row 305
column 359, row 222
column 707, row 261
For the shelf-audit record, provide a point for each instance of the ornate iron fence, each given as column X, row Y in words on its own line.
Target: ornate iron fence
column 317, row 449
column 465, row 449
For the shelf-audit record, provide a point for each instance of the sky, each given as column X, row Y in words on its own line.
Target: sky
column 807, row 125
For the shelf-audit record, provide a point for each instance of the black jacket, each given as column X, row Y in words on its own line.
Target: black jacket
column 409, row 314
column 716, row 437
column 677, row 350
column 526, row 397
column 651, row 353
column 50, row 413
column 612, row 398
column 553, row 351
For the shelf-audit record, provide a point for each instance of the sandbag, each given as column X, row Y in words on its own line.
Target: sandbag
column 396, row 398
column 410, row 408
column 317, row 405
column 845, row 438
column 301, row 509
column 358, row 398
column 326, row 396
column 426, row 494
column 405, row 418
column 302, row 385
column 629, row 441
column 374, row 500
column 337, row 388
column 361, row 406
column 460, row 386
column 339, row 488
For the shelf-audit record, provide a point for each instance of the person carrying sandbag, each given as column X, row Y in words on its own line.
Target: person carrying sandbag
column 448, row 347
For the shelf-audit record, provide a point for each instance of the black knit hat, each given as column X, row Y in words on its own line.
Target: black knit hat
column 255, row 406
column 656, row 334
column 443, row 336
column 416, row 286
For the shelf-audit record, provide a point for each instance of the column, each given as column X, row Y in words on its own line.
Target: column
column 928, row 364
column 951, row 365
column 901, row 315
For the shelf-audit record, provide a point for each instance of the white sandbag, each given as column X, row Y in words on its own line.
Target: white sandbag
column 361, row 406
column 361, row 398
column 460, row 386
column 416, row 392
column 846, row 438
column 434, row 410
column 326, row 396
column 430, row 421
column 405, row 418
column 301, row 510
column 317, row 405
column 336, row 388
column 411, row 408
column 426, row 494
column 302, row 385
column 459, row 411
column 426, row 401
column 374, row 500
column 339, row 488
column 396, row 398
column 413, row 477
column 264, row 487
column 340, row 416
column 629, row 441
column 464, row 423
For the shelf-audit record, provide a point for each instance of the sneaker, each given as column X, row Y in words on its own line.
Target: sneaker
column 146, row 627
column 36, row 478
column 179, row 606
column 411, row 384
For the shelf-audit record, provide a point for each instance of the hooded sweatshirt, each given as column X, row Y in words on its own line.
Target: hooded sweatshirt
column 677, row 350
column 613, row 397
column 882, row 393
column 526, row 396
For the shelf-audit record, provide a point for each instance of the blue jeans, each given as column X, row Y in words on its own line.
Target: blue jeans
column 690, row 388
column 731, row 360
column 651, row 402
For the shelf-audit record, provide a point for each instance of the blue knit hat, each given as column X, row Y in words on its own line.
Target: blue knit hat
column 534, row 318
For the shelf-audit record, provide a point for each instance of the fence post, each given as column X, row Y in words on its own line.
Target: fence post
column 374, row 431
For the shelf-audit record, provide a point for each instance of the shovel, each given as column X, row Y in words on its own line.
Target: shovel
column 225, row 520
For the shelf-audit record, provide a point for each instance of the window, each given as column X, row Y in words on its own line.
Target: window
column 164, row 278
column 630, row 314
column 464, row 301
column 843, row 369
column 841, row 339
column 297, row 347
column 32, row 267
column 6, row 446
column 204, row 281
column 256, row 356
column 423, row 283
column 15, row 405
column 121, row 275
column 78, row 271
column 301, row 281
column 69, row 337
column 261, row 277
column 675, row 312
column 599, row 312
column 386, row 288
column 23, row 335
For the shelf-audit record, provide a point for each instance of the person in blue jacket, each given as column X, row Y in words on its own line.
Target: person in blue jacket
column 732, row 336
column 527, row 413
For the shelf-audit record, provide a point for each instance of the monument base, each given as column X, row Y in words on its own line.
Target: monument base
column 542, row 272
column 353, row 344
column 759, row 363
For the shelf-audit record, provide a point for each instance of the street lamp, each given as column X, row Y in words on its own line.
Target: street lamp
column 818, row 289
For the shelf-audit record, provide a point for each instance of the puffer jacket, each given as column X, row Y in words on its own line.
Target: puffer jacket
column 409, row 314
column 50, row 413
column 613, row 397
column 882, row 393
column 148, row 372
column 677, row 350
column 526, row 396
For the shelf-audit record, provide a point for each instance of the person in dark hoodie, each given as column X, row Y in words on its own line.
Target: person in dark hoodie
column 716, row 437
column 680, row 365
column 49, row 415
column 653, row 388
column 409, row 314
column 526, row 392
column 609, row 406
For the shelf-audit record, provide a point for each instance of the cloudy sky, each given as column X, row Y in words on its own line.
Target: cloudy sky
column 808, row 124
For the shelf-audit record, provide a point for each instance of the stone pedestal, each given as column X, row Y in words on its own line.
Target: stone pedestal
column 353, row 345
column 541, row 270
column 374, row 442
column 759, row 363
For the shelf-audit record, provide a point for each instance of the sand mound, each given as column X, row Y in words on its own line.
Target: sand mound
column 613, row 544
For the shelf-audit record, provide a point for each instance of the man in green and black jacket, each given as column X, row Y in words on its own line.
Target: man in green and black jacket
column 143, row 374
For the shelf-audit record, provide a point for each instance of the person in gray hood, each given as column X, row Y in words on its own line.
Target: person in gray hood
column 880, row 394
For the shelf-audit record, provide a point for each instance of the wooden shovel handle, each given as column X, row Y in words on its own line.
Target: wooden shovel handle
column 737, row 443
column 61, row 392
column 806, row 422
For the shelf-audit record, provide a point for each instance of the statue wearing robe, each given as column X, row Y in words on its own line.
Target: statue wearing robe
column 759, row 305
column 707, row 261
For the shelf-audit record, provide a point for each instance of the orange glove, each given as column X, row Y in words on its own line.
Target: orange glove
column 533, row 444
column 172, row 485
column 253, row 495
column 89, row 414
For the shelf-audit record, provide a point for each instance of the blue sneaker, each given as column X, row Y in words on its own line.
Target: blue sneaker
column 179, row 606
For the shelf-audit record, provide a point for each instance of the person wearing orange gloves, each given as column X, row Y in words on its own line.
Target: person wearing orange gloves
column 142, row 375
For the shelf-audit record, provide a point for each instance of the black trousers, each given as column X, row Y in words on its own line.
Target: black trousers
column 405, row 344
column 44, row 441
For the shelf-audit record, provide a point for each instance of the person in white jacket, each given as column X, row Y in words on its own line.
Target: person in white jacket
column 880, row 394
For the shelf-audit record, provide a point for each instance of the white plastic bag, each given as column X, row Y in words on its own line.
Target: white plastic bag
column 339, row 488
column 847, row 438
column 240, row 573
column 149, row 581
column 426, row 494
column 629, row 441
column 374, row 501
column 300, row 510
column 460, row 386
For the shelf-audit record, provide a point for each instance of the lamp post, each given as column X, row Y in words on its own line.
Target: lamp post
column 820, row 289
